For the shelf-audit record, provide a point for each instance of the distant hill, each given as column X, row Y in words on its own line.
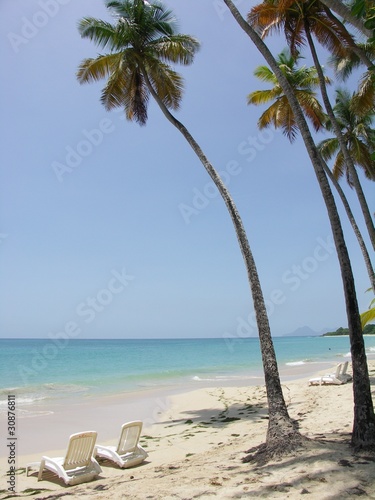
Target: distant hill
column 303, row 331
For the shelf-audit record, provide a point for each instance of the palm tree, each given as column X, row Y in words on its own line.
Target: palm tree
column 141, row 44
column 280, row 114
column 359, row 137
column 292, row 16
column 363, row 435
column 364, row 100
column 347, row 14
column 300, row 21
column 364, row 11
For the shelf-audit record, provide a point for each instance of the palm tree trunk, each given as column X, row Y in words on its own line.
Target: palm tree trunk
column 363, row 435
column 357, row 232
column 343, row 11
column 281, row 429
column 361, row 196
column 347, row 158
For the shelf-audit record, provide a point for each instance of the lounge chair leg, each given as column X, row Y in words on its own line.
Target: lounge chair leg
column 41, row 468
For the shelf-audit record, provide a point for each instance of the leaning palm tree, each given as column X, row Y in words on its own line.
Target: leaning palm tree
column 301, row 21
column 359, row 136
column 141, row 44
column 364, row 11
column 363, row 434
column 280, row 114
column 348, row 15
column 364, row 100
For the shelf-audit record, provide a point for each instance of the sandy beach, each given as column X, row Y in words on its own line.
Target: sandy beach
column 196, row 442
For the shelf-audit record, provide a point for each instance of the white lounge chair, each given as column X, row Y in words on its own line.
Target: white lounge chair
column 78, row 465
column 128, row 452
column 329, row 378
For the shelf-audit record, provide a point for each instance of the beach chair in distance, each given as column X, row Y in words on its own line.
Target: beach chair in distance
column 78, row 465
column 329, row 378
column 128, row 451
column 345, row 377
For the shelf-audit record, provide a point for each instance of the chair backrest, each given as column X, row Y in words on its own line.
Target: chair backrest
column 80, row 450
column 338, row 370
column 344, row 368
column 129, row 437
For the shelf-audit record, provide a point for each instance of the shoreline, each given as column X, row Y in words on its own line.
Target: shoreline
column 106, row 413
column 197, row 440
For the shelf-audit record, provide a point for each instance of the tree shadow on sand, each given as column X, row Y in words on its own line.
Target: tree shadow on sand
column 323, row 460
column 219, row 417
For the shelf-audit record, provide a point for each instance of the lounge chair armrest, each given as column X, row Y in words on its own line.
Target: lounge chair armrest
column 101, row 450
column 99, row 447
column 52, row 464
column 32, row 465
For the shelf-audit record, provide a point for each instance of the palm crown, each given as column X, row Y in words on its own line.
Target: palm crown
column 295, row 17
column 364, row 100
column 359, row 137
column 141, row 43
column 280, row 113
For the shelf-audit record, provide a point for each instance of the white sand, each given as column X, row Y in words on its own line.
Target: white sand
column 196, row 447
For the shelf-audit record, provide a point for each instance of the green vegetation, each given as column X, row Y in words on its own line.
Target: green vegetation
column 368, row 330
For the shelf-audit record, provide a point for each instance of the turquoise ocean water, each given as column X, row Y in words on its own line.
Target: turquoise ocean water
column 37, row 370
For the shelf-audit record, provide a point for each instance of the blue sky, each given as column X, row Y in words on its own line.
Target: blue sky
column 113, row 230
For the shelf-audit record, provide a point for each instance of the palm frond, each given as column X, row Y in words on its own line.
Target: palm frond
column 104, row 34
column 163, row 19
column 367, row 317
column 168, row 84
column 280, row 115
column 263, row 16
column 92, row 70
column 113, row 92
column 135, row 96
column 344, row 66
column 120, row 8
column 308, row 78
column 179, row 49
column 328, row 148
column 364, row 100
column 265, row 75
column 259, row 97
column 287, row 119
column 339, row 167
column 294, row 34
column 362, row 157
column 270, row 117
column 312, row 108
column 331, row 35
